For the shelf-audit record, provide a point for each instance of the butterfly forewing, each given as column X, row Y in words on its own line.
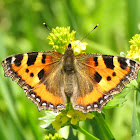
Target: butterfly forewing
column 37, row 74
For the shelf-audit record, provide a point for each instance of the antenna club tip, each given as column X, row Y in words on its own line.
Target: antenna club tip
column 44, row 23
column 97, row 24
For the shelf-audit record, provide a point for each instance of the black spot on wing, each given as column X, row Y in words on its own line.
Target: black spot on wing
column 15, row 73
column 97, row 77
column 114, row 74
column 108, row 60
column 122, row 62
column 32, row 58
column 132, row 63
column 31, row 75
column 27, row 70
column 96, row 61
column 41, row 74
column 43, row 58
column 8, row 60
column 18, row 59
column 108, row 78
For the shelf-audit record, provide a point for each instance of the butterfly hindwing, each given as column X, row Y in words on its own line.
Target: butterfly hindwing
column 33, row 72
column 106, row 75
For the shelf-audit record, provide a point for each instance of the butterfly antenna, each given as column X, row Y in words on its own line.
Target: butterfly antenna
column 46, row 26
column 90, row 32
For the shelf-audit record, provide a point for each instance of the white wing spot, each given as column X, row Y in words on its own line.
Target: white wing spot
column 128, row 62
column 44, row 104
column 89, row 106
column 40, row 53
column 101, row 101
column 37, row 99
column 60, row 106
column 127, row 76
column 95, row 105
column 77, row 106
column 118, row 86
column 50, row 105
column 81, row 107
column 33, row 95
column 12, row 60
column 105, row 97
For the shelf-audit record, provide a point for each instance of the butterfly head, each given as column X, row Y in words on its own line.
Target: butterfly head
column 69, row 46
column 69, row 50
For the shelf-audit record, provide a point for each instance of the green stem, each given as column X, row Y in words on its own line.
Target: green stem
column 86, row 133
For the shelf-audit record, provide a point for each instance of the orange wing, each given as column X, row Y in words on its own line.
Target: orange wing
column 99, row 77
column 38, row 74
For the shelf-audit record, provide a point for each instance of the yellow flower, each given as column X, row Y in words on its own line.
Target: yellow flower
column 134, row 48
column 78, row 46
column 57, row 124
column 60, row 120
column 55, row 137
column 89, row 115
column 77, row 116
column 60, row 37
column 70, row 116
column 74, row 118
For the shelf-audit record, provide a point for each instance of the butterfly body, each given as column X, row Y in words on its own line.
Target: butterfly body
column 69, row 60
column 88, row 80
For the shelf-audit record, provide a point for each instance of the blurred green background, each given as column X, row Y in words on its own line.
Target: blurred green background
column 21, row 30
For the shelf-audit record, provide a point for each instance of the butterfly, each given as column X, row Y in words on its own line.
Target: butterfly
column 88, row 80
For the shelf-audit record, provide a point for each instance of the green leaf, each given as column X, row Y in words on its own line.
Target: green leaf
column 135, row 122
column 50, row 127
column 100, row 128
column 71, row 135
column 119, row 99
column 48, row 118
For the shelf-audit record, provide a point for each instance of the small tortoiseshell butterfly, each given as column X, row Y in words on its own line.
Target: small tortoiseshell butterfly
column 88, row 80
